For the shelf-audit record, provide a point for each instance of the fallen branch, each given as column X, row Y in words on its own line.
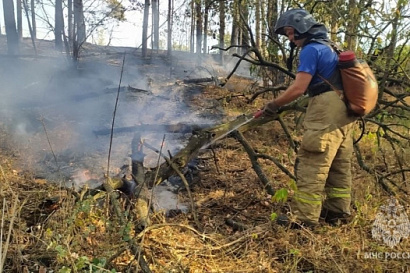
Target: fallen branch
column 171, row 128
column 254, row 160
column 199, row 80
column 236, row 225
column 204, row 137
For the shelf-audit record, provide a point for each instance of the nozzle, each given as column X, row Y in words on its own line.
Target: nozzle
column 258, row 114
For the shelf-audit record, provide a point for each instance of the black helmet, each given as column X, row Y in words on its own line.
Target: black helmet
column 301, row 20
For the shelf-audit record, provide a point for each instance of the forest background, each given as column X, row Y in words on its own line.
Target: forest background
column 228, row 228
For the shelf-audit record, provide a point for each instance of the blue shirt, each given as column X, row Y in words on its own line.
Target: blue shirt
column 315, row 58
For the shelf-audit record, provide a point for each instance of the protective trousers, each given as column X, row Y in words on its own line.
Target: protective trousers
column 323, row 168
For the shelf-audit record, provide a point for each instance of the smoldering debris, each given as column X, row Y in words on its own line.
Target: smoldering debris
column 62, row 117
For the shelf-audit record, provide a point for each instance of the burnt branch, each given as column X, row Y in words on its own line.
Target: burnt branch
column 287, row 133
column 278, row 164
column 181, row 175
column 265, row 90
column 254, row 160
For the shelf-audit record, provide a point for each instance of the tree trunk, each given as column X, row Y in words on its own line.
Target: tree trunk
column 272, row 16
column 198, row 8
column 258, row 19
column 390, row 50
column 170, row 18
column 222, row 29
column 352, row 24
column 264, row 46
column 29, row 26
column 155, row 24
column 235, row 27
column 145, row 28
column 58, row 28
column 205, row 30
column 334, row 23
column 11, row 31
column 19, row 18
column 70, row 21
column 33, row 20
column 192, row 37
column 80, row 23
column 79, row 28
column 244, row 36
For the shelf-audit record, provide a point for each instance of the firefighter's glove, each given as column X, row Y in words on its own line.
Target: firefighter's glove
column 270, row 109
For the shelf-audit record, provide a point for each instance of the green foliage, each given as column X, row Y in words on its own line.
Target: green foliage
column 281, row 195
column 127, row 232
column 64, row 270
column 295, row 252
column 273, row 216
column 292, row 185
column 86, row 221
column 61, row 252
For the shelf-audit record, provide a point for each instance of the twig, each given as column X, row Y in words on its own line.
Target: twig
column 277, row 163
column 116, row 255
column 1, row 234
column 49, row 143
column 113, row 117
column 6, row 246
column 265, row 90
column 215, row 161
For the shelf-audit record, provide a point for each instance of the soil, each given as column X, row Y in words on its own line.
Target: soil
column 49, row 158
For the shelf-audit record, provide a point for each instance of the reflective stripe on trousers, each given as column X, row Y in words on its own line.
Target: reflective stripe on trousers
column 338, row 193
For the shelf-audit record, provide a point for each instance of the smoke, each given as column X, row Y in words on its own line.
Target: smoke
column 52, row 110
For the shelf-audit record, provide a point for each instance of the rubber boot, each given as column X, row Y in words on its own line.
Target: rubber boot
column 335, row 218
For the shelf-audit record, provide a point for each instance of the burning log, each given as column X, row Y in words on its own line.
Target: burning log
column 141, row 191
column 171, row 128
column 106, row 91
column 199, row 80
column 199, row 140
column 204, row 137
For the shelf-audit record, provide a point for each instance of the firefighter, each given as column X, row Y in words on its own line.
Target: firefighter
column 323, row 164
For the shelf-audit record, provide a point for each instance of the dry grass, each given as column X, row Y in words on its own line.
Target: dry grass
column 53, row 230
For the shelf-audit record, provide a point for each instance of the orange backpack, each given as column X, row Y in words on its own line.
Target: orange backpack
column 359, row 84
column 360, row 88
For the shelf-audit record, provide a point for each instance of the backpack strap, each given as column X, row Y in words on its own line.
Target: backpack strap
column 334, row 81
column 328, row 43
column 338, row 91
